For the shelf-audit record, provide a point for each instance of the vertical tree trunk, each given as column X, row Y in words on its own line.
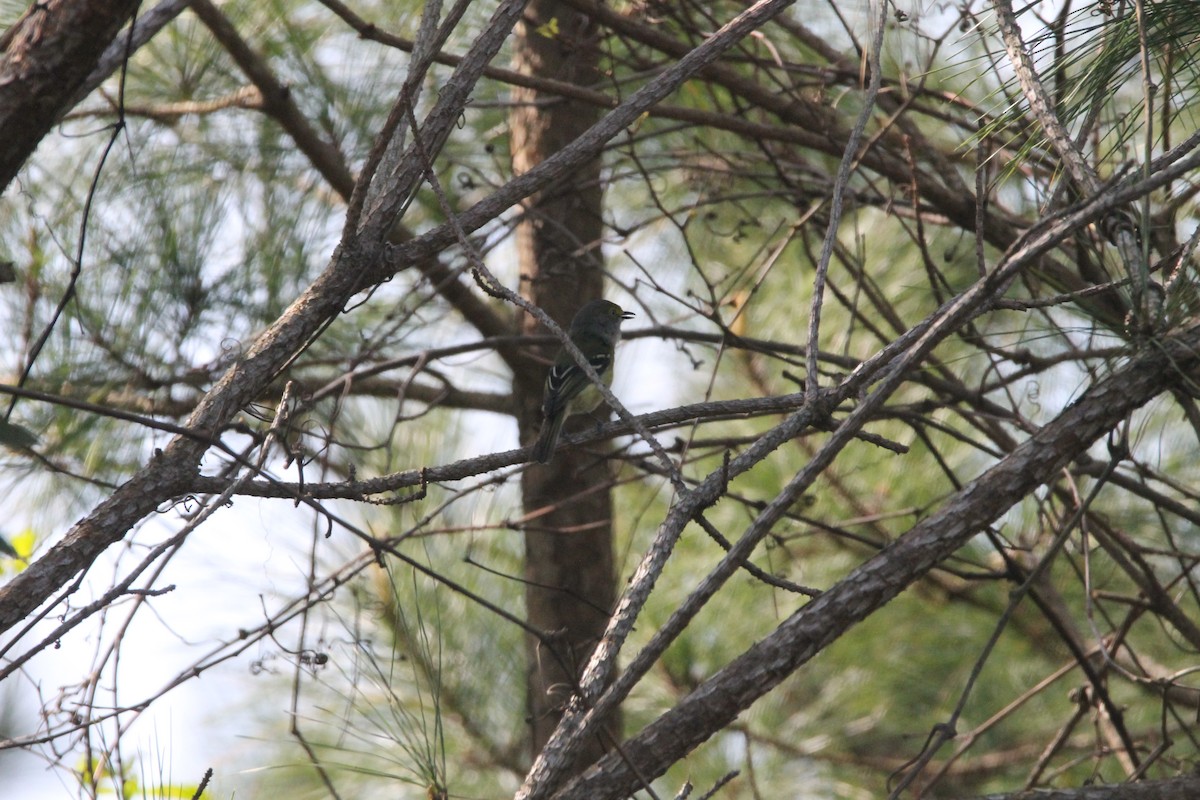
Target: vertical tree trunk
column 568, row 541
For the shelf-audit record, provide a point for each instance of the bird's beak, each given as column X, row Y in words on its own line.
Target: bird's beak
column 627, row 315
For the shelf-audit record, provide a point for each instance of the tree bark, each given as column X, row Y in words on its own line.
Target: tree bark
column 47, row 55
column 568, row 539
column 717, row 701
column 168, row 473
column 1182, row 788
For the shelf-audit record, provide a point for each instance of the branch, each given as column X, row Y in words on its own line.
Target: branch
column 1122, row 231
column 716, row 702
column 356, row 264
column 1183, row 788
column 47, row 56
column 277, row 100
column 889, row 367
column 468, row 467
column 170, row 471
column 279, row 105
column 144, row 27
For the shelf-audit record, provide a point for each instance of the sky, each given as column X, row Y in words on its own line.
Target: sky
column 242, row 560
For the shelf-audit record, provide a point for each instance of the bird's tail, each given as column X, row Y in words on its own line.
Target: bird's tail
column 543, row 448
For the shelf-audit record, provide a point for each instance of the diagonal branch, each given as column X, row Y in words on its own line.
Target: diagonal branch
column 1186, row 787
column 169, row 472
column 890, row 365
column 44, row 58
column 277, row 100
column 278, row 103
column 716, row 702
column 356, row 264
column 1081, row 172
column 147, row 24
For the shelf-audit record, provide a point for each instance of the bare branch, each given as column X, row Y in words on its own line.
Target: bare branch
column 722, row 697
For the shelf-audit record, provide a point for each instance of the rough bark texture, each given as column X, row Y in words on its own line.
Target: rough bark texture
column 167, row 473
column 718, row 701
column 568, row 541
column 47, row 55
column 1184, row 788
column 355, row 264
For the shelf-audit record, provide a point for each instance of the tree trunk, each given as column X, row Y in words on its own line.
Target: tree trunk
column 568, row 538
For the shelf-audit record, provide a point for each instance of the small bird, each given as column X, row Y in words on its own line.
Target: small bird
column 595, row 330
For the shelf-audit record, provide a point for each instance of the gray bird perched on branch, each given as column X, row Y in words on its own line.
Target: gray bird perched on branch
column 595, row 330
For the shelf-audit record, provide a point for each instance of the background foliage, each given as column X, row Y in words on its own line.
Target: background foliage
column 377, row 625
